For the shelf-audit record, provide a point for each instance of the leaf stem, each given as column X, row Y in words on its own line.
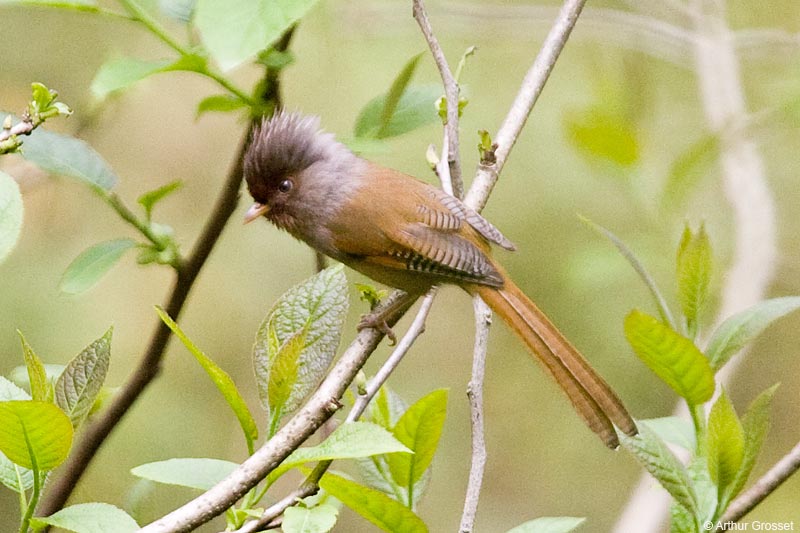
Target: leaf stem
column 227, row 84
column 699, row 421
column 140, row 15
column 37, row 487
column 159, row 241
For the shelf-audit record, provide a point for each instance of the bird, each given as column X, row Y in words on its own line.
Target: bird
column 410, row 235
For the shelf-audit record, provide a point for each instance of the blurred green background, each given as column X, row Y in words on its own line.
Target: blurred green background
column 542, row 460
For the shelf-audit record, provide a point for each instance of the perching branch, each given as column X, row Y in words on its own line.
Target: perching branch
column 325, row 401
column 766, row 485
column 451, row 89
column 483, row 320
column 317, row 409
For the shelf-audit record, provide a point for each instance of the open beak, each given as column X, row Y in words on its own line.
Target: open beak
column 256, row 210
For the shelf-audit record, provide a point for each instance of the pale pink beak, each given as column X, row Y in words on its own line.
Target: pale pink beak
column 256, row 210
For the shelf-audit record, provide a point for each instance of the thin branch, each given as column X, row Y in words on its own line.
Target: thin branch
column 483, row 321
column 23, row 127
column 317, row 409
column 532, row 86
column 451, row 90
column 766, row 485
column 310, row 484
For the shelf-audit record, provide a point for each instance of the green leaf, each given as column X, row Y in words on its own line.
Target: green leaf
column 283, row 373
column 688, row 170
column 41, row 97
column 275, row 59
column 657, row 459
column 396, row 91
column 221, row 103
column 725, row 443
column 386, row 513
column 149, row 199
column 8, row 470
column 90, row 518
column 68, row 156
column 693, row 270
column 681, row 520
column 316, row 310
column 704, row 488
column 608, row 136
column 349, row 441
column 419, row 429
column 34, row 434
column 674, row 358
column 674, row 430
column 221, row 379
column 740, row 329
column 78, row 386
column 755, row 425
column 301, row 519
column 10, row 214
column 414, row 109
column 37, row 375
column 463, row 61
column 233, row 31
column 549, row 524
column 637, row 265
column 92, row 264
column 118, row 74
column 370, row 294
column 386, row 408
column 194, row 473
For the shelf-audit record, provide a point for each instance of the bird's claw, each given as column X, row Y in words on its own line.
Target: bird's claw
column 376, row 321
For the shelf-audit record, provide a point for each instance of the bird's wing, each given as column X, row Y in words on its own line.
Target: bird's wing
column 448, row 212
column 427, row 231
column 422, row 248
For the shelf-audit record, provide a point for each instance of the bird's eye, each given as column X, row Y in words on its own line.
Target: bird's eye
column 285, row 186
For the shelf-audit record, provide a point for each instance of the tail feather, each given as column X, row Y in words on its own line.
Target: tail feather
column 591, row 396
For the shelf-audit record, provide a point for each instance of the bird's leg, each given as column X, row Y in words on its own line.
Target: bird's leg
column 386, row 314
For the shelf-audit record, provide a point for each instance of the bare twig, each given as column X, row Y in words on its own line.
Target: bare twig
column 451, row 90
column 753, row 208
column 23, row 127
column 317, row 409
column 766, row 485
column 532, row 86
column 483, row 320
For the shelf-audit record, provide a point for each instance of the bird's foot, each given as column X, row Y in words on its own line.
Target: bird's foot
column 377, row 321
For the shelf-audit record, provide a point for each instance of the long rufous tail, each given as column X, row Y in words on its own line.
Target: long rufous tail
column 591, row 396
